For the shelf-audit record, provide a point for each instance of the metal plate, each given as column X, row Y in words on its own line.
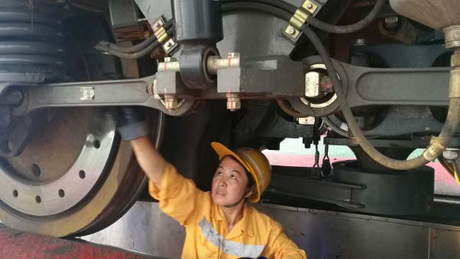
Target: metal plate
column 322, row 234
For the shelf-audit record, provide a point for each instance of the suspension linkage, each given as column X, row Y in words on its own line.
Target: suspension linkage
column 127, row 92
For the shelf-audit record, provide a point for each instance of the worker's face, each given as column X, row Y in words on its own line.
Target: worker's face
column 229, row 185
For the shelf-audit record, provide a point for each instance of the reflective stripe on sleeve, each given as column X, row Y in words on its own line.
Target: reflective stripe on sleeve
column 229, row 247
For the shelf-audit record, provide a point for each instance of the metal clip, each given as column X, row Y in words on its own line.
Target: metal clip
column 326, row 166
column 316, row 170
column 168, row 44
column 300, row 16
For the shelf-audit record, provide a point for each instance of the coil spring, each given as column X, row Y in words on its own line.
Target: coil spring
column 31, row 42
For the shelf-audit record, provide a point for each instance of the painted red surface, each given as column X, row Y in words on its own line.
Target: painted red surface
column 444, row 182
column 19, row 245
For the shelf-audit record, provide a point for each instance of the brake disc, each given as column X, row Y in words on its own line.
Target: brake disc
column 74, row 178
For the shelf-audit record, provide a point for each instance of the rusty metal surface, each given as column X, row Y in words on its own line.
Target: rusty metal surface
column 20, row 245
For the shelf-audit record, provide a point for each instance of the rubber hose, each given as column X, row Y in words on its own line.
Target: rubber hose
column 331, row 28
column 135, row 55
column 229, row 7
column 141, row 53
column 343, row 29
column 450, row 126
column 107, row 46
column 275, row 3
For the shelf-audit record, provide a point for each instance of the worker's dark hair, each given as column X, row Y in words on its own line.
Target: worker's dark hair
column 248, row 175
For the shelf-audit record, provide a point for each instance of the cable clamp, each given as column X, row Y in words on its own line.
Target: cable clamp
column 167, row 43
column 300, row 16
column 455, row 60
column 454, row 83
column 433, row 149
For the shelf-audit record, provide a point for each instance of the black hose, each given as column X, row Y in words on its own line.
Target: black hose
column 450, row 126
column 107, row 46
column 275, row 3
column 141, row 53
column 343, row 29
column 229, row 7
column 135, row 55
column 331, row 28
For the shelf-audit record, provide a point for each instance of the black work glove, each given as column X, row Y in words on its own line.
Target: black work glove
column 130, row 121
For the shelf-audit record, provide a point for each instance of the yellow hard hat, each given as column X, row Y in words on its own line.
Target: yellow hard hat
column 253, row 161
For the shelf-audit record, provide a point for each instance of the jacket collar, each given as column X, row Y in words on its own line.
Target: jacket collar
column 244, row 226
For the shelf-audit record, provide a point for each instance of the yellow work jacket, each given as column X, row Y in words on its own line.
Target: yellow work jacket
column 255, row 235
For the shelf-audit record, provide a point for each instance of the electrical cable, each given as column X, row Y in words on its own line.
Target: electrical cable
column 331, row 28
column 275, row 3
column 334, row 127
column 142, row 53
column 107, row 46
column 450, row 126
column 343, row 29
column 228, row 7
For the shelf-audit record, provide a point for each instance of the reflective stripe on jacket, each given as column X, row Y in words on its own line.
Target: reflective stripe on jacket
column 256, row 234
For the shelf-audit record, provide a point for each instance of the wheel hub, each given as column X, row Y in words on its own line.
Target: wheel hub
column 46, row 197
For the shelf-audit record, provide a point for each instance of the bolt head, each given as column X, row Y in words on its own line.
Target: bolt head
column 309, row 6
column 292, row 31
column 233, row 106
column 233, row 102
column 171, row 103
column 306, row 121
column 361, row 42
column 391, row 19
column 450, row 154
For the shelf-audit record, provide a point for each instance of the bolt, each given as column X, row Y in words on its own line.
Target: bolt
column 292, row 31
column 309, row 6
column 450, row 153
column 360, row 42
column 306, row 120
column 233, row 102
column 171, row 102
column 391, row 23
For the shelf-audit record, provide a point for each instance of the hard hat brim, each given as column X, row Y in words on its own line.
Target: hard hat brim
column 222, row 151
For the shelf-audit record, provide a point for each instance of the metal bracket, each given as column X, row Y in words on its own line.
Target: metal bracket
column 168, row 44
column 300, row 16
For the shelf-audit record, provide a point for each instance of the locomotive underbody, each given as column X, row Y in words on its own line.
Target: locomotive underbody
column 245, row 73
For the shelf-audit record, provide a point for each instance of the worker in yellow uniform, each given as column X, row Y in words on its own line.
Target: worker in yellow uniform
column 219, row 224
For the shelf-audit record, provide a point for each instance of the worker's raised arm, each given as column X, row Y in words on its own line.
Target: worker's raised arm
column 132, row 126
column 178, row 196
column 149, row 159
